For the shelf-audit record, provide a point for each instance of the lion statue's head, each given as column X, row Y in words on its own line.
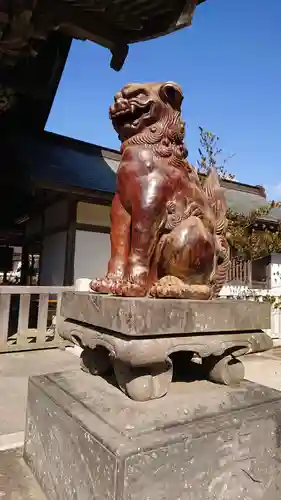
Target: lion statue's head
column 150, row 109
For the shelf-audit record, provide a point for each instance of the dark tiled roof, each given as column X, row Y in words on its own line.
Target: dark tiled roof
column 60, row 161
column 244, row 203
column 273, row 216
column 55, row 161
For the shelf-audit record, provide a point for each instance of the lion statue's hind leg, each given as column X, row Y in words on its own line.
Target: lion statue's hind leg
column 185, row 262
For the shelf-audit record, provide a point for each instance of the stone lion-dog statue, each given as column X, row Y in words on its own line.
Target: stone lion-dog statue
column 168, row 232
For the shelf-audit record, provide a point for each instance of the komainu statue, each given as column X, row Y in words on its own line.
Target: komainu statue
column 168, row 233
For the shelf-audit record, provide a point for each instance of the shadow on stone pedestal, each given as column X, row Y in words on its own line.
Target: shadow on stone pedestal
column 141, row 338
column 86, row 440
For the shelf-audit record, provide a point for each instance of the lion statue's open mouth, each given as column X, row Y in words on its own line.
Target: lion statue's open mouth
column 130, row 115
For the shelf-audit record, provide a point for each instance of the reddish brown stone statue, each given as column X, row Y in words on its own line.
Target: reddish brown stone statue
column 168, row 232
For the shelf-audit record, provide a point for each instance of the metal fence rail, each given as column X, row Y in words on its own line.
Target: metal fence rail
column 29, row 317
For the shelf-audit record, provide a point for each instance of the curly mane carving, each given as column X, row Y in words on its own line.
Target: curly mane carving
column 168, row 232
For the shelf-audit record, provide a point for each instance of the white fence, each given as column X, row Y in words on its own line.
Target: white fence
column 236, row 292
column 29, row 317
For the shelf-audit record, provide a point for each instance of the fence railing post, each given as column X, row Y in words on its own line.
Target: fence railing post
column 23, row 320
column 249, row 273
column 25, row 323
column 42, row 319
column 5, row 303
column 58, row 315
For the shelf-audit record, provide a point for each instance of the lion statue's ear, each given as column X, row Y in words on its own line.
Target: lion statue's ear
column 172, row 93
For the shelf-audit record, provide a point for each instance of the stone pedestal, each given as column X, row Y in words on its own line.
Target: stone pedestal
column 142, row 338
column 86, row 440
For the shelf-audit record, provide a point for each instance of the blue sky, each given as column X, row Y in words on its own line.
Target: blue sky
column 229, row 66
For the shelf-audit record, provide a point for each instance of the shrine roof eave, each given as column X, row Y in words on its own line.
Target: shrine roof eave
column 69, row 165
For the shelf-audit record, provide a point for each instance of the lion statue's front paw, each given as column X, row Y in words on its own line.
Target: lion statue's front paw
column 127, row 288
column 104, row 285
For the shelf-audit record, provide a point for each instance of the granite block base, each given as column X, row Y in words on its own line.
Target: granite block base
column 85, row 440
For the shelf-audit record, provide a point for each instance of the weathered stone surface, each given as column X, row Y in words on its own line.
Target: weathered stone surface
column 146, row 316
column 16, row 480
column 138, row 351
column 86, row 440
column 139, row 336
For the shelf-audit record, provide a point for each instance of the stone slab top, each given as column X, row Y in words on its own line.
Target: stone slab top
column 196, row 408
column 147, row 316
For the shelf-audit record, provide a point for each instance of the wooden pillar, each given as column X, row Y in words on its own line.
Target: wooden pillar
column 70, row 243
column 24, row 265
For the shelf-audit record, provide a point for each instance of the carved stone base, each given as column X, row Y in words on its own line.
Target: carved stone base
column 144, row 367
column 144, row 364
column 95, row 361
column 145, row 382
column 86, row 440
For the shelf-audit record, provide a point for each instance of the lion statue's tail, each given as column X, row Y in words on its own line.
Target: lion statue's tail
column 216, row 197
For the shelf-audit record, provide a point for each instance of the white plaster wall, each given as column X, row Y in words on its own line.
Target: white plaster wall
column 275, row 271
column 53, row 259
column 95, row 215
column 92, row 252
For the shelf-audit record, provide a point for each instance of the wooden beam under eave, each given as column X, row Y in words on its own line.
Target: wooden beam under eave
column 84, row 25
column 81, row 193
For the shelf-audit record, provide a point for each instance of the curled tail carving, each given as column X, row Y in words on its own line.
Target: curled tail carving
column 216, row 198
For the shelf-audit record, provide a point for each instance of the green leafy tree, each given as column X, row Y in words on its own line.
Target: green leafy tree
column 248, row 236
column 210, row 155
